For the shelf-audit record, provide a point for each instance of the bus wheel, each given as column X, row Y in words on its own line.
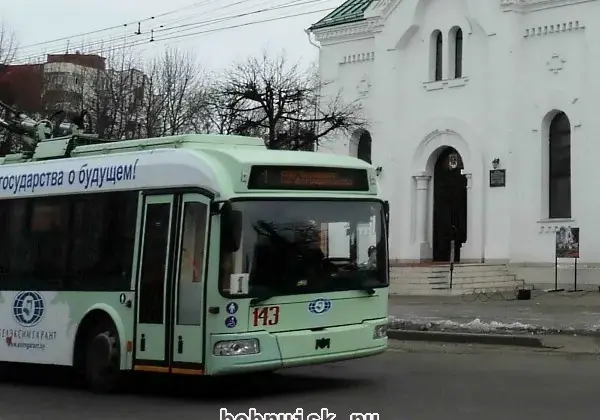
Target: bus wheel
column 5, row 371
column 102, row 359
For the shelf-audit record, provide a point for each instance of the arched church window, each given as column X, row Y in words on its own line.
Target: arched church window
column 560, row 167
column 436, row 56
column 456, row 53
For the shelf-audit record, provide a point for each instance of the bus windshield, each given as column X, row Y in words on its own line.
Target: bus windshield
column 308, row 246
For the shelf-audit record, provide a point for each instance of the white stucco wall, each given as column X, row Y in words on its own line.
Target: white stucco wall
column 521, row 64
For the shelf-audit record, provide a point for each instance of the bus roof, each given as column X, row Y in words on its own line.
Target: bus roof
column 245, row 150
column 284, row 157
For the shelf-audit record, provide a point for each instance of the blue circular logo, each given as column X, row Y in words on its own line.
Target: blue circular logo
column 28, row 308
column 232, row 308
column 319, row 306
column 230, row 322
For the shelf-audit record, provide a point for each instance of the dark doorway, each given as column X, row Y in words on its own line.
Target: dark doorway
column 364, row 147
column 449, row 205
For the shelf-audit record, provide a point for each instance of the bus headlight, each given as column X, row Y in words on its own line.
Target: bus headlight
column 237, row 347
column 380, row 331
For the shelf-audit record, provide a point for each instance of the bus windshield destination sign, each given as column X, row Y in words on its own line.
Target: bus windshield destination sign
column 307, row 178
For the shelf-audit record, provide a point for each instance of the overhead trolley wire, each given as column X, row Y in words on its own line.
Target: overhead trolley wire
column 292, row 3
column 194, row 15
column 178, row 29
column 117, row 26
column 135, row 44
column 124, row 37
column 209, row 31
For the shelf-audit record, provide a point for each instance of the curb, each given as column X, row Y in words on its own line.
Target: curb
column 467, row 338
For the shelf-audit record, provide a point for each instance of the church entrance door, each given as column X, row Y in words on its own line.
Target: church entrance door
column 449, row 205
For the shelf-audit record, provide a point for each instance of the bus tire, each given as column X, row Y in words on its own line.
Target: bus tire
column 102, row 358
column 4, row 371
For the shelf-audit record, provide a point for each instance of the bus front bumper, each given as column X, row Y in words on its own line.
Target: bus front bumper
column 265, row 351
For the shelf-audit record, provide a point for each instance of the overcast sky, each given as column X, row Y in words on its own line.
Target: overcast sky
column 37, row 22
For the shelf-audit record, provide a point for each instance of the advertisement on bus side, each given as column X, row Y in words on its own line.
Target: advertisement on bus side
column 35, row 327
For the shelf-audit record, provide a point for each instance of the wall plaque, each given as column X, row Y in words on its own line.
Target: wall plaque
column 498, row 178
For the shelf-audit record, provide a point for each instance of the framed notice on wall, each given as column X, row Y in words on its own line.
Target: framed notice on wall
column 567, row 242
column 498, row 178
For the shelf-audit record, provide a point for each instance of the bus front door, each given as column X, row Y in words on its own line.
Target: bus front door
column 187, row 338
column 173, row 241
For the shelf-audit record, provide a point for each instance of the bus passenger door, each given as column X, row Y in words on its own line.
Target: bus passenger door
column 154, row 272
column 187, row 350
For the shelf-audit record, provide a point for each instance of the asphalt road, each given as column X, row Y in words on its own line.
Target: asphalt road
column 417, row 381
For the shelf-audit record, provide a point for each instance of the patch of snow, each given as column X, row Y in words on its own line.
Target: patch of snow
column 479, row 326
column 595, row 327
column 476, row 325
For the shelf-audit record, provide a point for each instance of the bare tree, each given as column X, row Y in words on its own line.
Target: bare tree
column 180, row 85
column 132, row 100
column 200, row 113
column 153, row 105
column 8, row 45
column 283, row 103
column 225, row 114
column 115, row 96
column 8, row 49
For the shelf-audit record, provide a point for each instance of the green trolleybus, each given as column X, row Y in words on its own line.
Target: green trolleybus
column 190, row 255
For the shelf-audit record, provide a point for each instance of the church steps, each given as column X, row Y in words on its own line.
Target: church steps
column 450, row 292
column 446, row 275
column 427, row 271
column 459, row 283
column 467, row 278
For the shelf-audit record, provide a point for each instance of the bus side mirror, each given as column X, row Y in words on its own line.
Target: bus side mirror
column 386, row 214
column 231, row 228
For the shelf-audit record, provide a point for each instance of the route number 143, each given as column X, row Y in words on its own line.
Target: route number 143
column 267, row 315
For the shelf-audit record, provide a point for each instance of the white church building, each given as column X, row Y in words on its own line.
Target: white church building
column 484, row 120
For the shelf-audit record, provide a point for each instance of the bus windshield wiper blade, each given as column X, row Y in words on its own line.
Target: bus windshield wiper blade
column 365, row 287
column 262, row 298
column 368, row 289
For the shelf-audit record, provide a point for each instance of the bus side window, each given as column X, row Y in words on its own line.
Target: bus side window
column 48, row 229
column 68, row 242
column 5, row 243
column 18, row 259
column 102, row 240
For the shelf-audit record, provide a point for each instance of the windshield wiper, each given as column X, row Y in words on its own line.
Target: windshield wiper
column 260, row 299
column 367, row 289
column 257, row 300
